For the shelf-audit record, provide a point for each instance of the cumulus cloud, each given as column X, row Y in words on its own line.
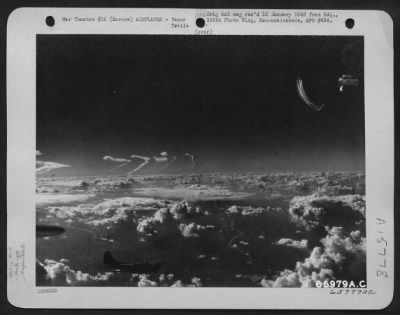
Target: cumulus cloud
column 43, row 167
column 314, row 210
column 59, row 273
column 195, row 282
column 180, row 284
column 163, row 280
column 38, row 153
column 182, row 209
column 115, row 159
column 338, row 246
column 165, row 220
column 146, row 225
column 145, row 282
column 327, row 262
column 192, row 229
column 292, row 243
column 109, row 212
column 173, row 212
column 250, row 211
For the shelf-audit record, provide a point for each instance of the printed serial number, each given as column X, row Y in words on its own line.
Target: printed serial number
column 352, row 292
column 340, row 284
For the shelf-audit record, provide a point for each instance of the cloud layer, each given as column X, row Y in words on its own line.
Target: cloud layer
column 287, row 234
column 43, row 200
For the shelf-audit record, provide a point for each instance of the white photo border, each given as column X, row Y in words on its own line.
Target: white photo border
column 25, row 23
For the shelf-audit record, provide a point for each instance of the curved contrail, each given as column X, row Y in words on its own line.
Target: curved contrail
column 303, row 95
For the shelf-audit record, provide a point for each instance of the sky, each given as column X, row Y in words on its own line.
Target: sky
column 231, row 101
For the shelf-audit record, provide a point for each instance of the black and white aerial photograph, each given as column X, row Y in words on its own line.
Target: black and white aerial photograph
column 200, row 161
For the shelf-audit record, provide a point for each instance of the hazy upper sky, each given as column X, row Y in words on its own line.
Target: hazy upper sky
column 229, row 100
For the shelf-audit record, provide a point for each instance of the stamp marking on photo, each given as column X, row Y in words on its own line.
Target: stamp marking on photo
column 223, row 153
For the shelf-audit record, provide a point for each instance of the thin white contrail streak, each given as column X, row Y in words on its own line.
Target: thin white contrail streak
column 43, row 167
column 169, row 163
column 303, row 95
column 146, row 160
column 122, row 165
column 115, row 160
column 115, row 168
column 123, row 162
column 163, row 158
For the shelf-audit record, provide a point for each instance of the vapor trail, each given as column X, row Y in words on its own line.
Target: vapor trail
column 146, row 160
column 115, row 159
column 162, row 159
column 303, row 95
column 191, row 156
column 43, row 167
column 122, row 165
column 115, row 168
column 169, row 163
